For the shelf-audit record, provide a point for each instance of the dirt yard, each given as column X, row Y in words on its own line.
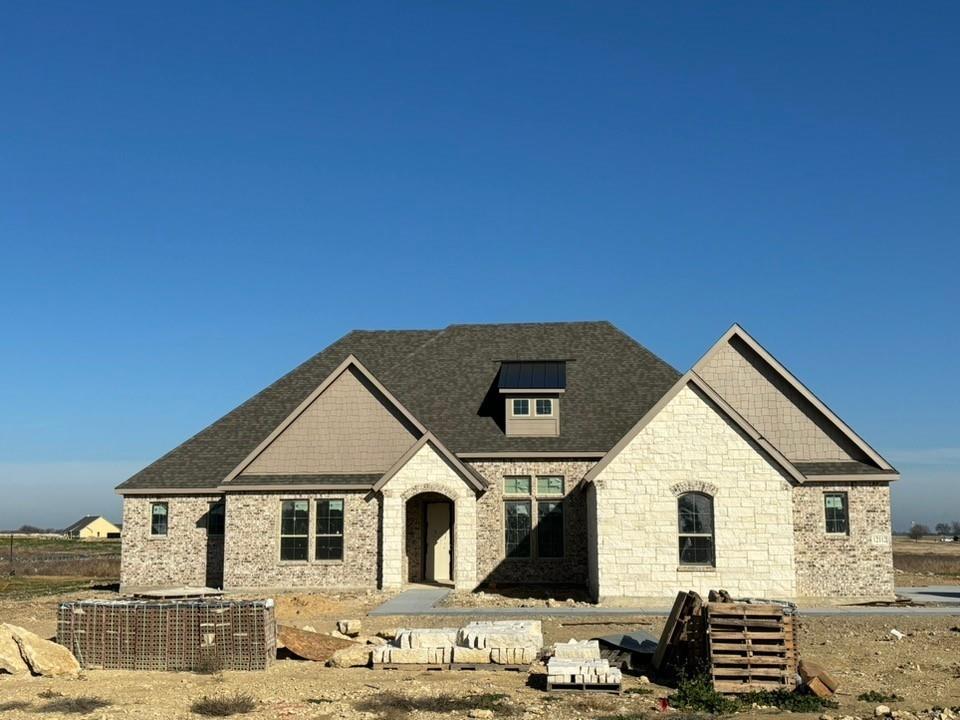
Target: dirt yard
column 923, row 668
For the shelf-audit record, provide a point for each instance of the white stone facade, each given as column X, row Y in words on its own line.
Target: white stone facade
column 429, row 471
column 690, row 446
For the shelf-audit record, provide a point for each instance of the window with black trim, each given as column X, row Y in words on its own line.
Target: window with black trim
column 159, row 516
column 695, row 523
column 329, row 538
column 215, row 518
column 836, row 514
column 294, row 529
column 518, row 527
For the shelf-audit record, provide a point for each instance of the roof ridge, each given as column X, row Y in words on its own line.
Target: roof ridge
column 547, row 323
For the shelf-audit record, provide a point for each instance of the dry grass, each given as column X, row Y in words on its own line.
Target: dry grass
column 927, row 556
column 224, row 705
column 74, row 705
column 395, row 707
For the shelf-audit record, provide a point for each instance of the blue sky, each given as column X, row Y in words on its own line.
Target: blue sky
column 196, row 197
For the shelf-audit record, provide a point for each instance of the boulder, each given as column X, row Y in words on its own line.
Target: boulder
column 350, row 628
column 10, row 659
column 311, row 646
column 356, row 656
column 44, row 657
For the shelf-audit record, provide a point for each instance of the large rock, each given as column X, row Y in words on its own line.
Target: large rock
column 10, row 659
column 44, row 657
column 356, row 656
column 350, row 628
column 311, row 646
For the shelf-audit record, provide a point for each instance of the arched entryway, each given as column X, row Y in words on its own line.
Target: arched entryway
column 429, row 538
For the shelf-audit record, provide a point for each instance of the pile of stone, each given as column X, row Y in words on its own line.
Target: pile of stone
column 512, row 642
column 24, row 653
column 578, row 663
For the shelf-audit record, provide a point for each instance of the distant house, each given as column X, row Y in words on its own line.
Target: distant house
column 92, row 526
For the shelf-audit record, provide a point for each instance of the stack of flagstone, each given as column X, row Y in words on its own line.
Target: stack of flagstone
column 579, row 663
column 502, row 643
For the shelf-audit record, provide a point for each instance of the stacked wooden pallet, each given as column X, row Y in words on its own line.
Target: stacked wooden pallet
column 751, row 647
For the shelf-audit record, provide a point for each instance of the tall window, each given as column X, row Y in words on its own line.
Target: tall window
column 695, row 519
column 550, row 529
column 518, row 528
column 294, row 529
column 835, row 510
column 215, row 517
column 329, row 530
column 524, row 539
column 158, row 518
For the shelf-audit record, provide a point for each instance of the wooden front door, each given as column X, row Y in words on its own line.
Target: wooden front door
column 439, row 541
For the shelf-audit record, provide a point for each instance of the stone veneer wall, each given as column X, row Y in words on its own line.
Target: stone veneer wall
column 690, row 446
column 178, row 558
column 492, row 564
column 428, row 471
column 252, row 548
column 858, row 564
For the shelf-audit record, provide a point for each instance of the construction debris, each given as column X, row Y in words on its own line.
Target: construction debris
column 628, row 651
column 507, row 643
column 311, row 645
column 356, row 655
column 169, row 634
column 577, row 665
column 350, row 628
column 816, row 679
column 37, row 656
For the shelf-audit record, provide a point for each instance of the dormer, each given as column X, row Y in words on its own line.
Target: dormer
column 531, row 391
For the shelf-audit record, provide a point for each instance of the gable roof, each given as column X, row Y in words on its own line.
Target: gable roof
column 468, row 474
column 81, row 524
column 691, row 378
column 447, row 380
column 881, row 466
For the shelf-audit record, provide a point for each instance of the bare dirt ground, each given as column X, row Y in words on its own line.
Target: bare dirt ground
column 923, row 668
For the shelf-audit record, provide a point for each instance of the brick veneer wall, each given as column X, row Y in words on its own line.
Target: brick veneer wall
column 252, row 549
column 492, row 564
column 178, row 558
column 858, row 564
column 690, row 446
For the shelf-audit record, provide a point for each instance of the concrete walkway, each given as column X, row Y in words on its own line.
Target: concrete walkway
column 421, row 601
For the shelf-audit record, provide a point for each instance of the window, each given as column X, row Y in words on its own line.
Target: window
column 544, row 406
column 215, row 517
column 550, row 485
column 294, row 529
column 835, row 510
column 158, row 518
column 550, row 529
column 329, row 530
column 521, row 406
column 518, row 528
column 516, row 485
column 695, row 515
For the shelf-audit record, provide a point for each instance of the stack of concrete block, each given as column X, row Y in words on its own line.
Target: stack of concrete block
column 579, row 663
column 503, row 643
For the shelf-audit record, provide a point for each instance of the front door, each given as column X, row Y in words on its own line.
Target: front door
column 438, row 542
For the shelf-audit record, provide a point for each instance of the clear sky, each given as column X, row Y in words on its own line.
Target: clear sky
column 195, row 197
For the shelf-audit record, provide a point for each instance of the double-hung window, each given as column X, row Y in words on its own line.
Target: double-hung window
column 695, row 519
column 524, row 496
column 836, row 513
column 294, row 529
column 329, row 530
column 159, row 513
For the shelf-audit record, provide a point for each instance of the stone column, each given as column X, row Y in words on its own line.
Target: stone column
column 465, row 543
column 392, row 539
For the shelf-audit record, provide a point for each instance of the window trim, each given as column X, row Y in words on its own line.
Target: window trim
column 846, row 513
column 536, row 407
column 281, row 535
column 343, row 530
column 166, row 521
column 513, row 407
column 712, row 534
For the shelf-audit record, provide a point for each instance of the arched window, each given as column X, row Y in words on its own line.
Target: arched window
column 695, row 522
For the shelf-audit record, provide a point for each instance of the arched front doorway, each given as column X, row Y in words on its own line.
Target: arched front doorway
column 429, row 542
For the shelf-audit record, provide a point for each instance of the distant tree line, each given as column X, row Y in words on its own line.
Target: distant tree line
column 918, row 530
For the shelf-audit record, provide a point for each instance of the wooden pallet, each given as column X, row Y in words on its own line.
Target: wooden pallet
column 434, row 667
column 610, row 688
column 489, row 667
column 682, row 638
column 751, row 647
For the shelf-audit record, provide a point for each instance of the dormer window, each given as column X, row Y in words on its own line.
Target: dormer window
column 532, row 391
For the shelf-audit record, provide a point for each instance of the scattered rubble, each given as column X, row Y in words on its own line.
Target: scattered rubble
column 510, row 642
column 350, row 628
column 578, row 665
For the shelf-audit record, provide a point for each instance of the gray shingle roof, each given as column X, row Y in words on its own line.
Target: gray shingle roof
column 365, row 480
column 80, row 524
column 447, row 379
column 851, row 467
